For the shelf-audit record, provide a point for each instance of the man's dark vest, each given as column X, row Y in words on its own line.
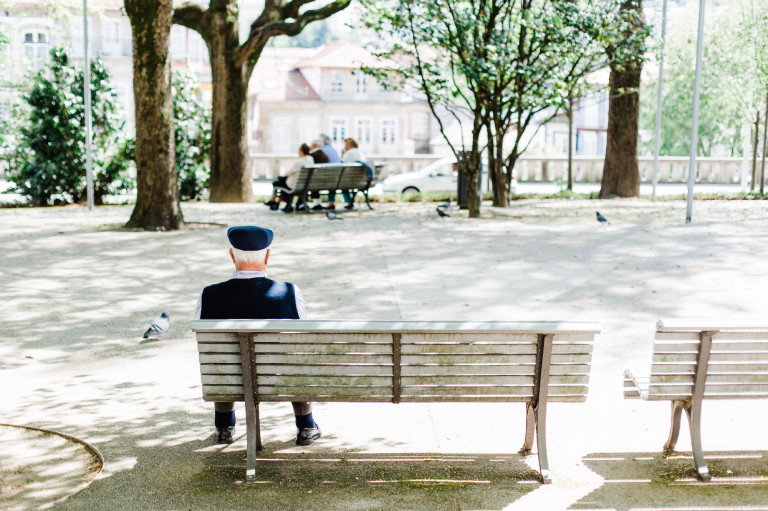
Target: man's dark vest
column 259, row 298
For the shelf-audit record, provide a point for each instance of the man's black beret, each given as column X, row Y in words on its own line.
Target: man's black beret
column 250, row 237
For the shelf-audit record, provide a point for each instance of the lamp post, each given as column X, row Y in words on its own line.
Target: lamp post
column 88, row 127
column 659, row 99
column 695, row 119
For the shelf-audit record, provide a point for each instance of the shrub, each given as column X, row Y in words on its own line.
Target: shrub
column 49, row 159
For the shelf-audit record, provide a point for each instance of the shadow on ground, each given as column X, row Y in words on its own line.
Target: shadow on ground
column 656, row 481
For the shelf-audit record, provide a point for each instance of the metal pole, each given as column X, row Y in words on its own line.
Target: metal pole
column 88, row 127
column 659, row 99
column 765, row 131
column 695, row 120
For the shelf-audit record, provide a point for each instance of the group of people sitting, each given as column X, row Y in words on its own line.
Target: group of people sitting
column 320, row 151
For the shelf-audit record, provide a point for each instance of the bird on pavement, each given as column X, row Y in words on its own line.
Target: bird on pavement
column 332, row 216
column 602, row 219
column 442, row 213
column 159, row 326
column 446, row 204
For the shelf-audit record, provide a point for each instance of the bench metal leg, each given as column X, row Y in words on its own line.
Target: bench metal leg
column 541, row 443
column 530, row 429
column 253, row 440
column 674, row 430
column 365, row 194
column 694, row 421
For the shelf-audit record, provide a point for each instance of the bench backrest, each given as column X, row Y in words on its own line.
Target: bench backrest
column 734, row 362
column 297, row 360
column 333, row 176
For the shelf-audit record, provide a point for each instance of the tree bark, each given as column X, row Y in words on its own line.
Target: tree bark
column 621, row 176
column 157, row 202
column 230, row 180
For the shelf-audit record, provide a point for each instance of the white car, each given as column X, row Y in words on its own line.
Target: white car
column 439, row 176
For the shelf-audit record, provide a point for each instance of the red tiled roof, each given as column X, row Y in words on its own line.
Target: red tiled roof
column 298, row 89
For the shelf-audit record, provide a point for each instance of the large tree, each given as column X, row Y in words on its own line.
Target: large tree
column 232, row 64
column 544, row 51
column 157, row 203
column 625, row 58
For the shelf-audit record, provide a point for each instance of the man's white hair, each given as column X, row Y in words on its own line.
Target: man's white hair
column 249, row 256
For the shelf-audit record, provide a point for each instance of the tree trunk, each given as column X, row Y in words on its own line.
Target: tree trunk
column 496, row 168
column 157, row 202
column 230, row 180
column 754, row 152
column 621, row 176
column 569, row 113
column 620, row 172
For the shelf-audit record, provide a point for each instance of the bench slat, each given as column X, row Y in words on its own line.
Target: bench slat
column 219, row 358
column 713, row 378
column 221, row 369
column 326, row 370
column 469, row 349
column 330, row 337
column 326, row 359
column 313, row 380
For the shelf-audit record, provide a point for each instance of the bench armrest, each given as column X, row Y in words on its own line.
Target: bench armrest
column 635, row 386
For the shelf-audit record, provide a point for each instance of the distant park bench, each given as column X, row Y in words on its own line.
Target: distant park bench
column 694, row 360
column 398, row 362
column 352, row 178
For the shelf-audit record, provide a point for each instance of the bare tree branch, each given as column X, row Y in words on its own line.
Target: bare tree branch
column 190, row 16
column 261, row 33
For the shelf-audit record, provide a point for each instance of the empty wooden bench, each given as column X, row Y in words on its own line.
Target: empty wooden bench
column 353, row 178
column 398, row 362
column 697, row 360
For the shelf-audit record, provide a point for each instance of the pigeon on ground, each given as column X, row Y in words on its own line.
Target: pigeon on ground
column 159, row 326
column 602, row 219
column 332, row 216
column 442, row 213
column 446, row 204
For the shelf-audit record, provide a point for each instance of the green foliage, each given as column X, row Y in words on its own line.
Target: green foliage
column 49, row 161
column 495, row 64
column 724, row 88
column 192, row 133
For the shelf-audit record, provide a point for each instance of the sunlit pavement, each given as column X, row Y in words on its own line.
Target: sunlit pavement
column 79, row 290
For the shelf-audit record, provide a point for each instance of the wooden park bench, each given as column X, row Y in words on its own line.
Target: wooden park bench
column 697, row 360
column 398, row 362
column 353, row 178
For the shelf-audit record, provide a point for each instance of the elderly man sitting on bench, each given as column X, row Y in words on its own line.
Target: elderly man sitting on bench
column 249, row 294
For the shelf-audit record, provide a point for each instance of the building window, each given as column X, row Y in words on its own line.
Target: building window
column 363, row 131
column 338, row 130
column 111, row 38
column 35, row 47
column 361, row 83
column 337, row 81
column 388, row 132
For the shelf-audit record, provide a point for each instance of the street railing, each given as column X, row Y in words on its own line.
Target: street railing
column 586, row 169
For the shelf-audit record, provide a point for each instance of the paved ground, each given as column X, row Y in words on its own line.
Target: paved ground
column 79, row 290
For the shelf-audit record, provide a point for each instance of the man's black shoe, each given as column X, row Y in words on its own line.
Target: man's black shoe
column 302, row 207
column 330, row 207
column 351, row 205
column 317, row 207
column 274, row 206
column 308, row 435
column 287, row 209
column 224, row 435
